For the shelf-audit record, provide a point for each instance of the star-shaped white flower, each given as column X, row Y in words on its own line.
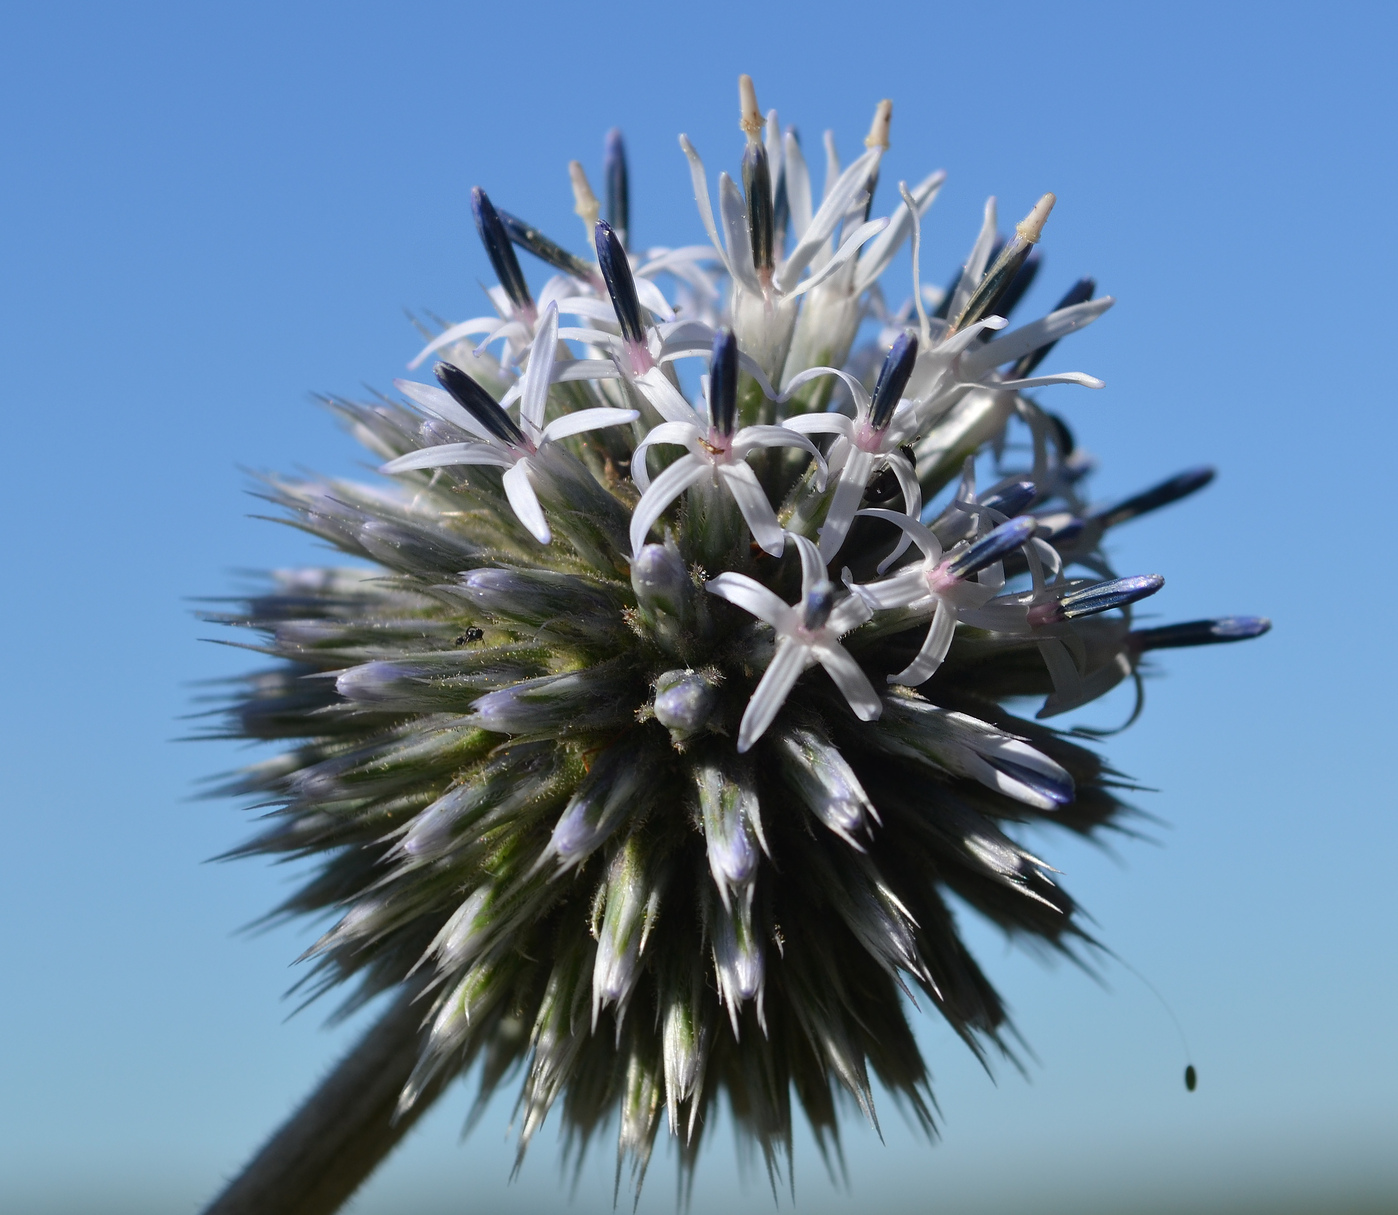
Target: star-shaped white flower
column 867, row 443
column 639, row 351
column 942, row 584
column 503, row 444
column 518, row 313
column 1047, row 612
column 715, row 451
column 808, row 632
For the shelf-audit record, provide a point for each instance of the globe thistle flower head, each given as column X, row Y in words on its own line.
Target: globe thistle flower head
column 651, row 733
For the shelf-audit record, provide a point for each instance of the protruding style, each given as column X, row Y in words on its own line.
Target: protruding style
column 999, row 278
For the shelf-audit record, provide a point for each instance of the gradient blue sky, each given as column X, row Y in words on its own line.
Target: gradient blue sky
column 209, row 211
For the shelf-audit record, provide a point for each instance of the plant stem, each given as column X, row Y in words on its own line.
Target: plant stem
column 343, row 1130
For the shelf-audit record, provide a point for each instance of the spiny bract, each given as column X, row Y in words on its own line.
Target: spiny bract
column 664, row 713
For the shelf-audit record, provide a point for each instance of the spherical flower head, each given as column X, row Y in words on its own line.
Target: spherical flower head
column 652, row 723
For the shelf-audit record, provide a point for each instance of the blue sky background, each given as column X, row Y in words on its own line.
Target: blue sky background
column 209, row 211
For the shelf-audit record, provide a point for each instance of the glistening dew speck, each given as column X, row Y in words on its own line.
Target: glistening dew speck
column 643, row 742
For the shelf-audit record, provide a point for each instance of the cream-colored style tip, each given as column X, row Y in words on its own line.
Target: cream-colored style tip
column 751, row 121
column 584, row 200
column 878, row 129
column 1031, row 227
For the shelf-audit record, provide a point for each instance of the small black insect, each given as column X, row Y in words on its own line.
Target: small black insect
column 1191, row 1078
column 470, row 635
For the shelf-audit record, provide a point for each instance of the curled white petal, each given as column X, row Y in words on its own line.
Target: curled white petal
column 820, row 424
column 449, row 337
column 735, row 225
column 534, row 387
column 798, row 186
column 877, row 256
column 751, row 437
column 776, row 683
column 848, row 248
column 921, row 534
column 683, row 473
column 1064, row 377
column 440, row 404
column 857, row 390
column 679, row 433
column 445, row 454
column 750, row 595
column 812, row 567
column 701, row 198
column 569, row 370
column 906, row 477
column 587, row 419
column 849, row 489
column 525, row 502
column 1028, row 338
column 653, row 298
column 934, row 647
column 974, row 270
column 850, row 185
column 667, row 400
column 752, row 500
column 850, row 679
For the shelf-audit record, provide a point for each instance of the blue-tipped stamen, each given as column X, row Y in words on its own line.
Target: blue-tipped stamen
column 617, row 185
column 1079, row 293
column 1200, row 632
column 820, row 602
column 1009, row 499
column 757, row 185
column 500, row 250
column 723, row 382
column 1179, row 486
column 989, row 549
column 621, row 286
column 893, row 379
column 1099, row 597
column 478, row 403
column 526, row 236
column 1012, row 289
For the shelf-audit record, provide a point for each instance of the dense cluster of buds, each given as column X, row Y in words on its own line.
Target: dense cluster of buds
column 673, row 697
